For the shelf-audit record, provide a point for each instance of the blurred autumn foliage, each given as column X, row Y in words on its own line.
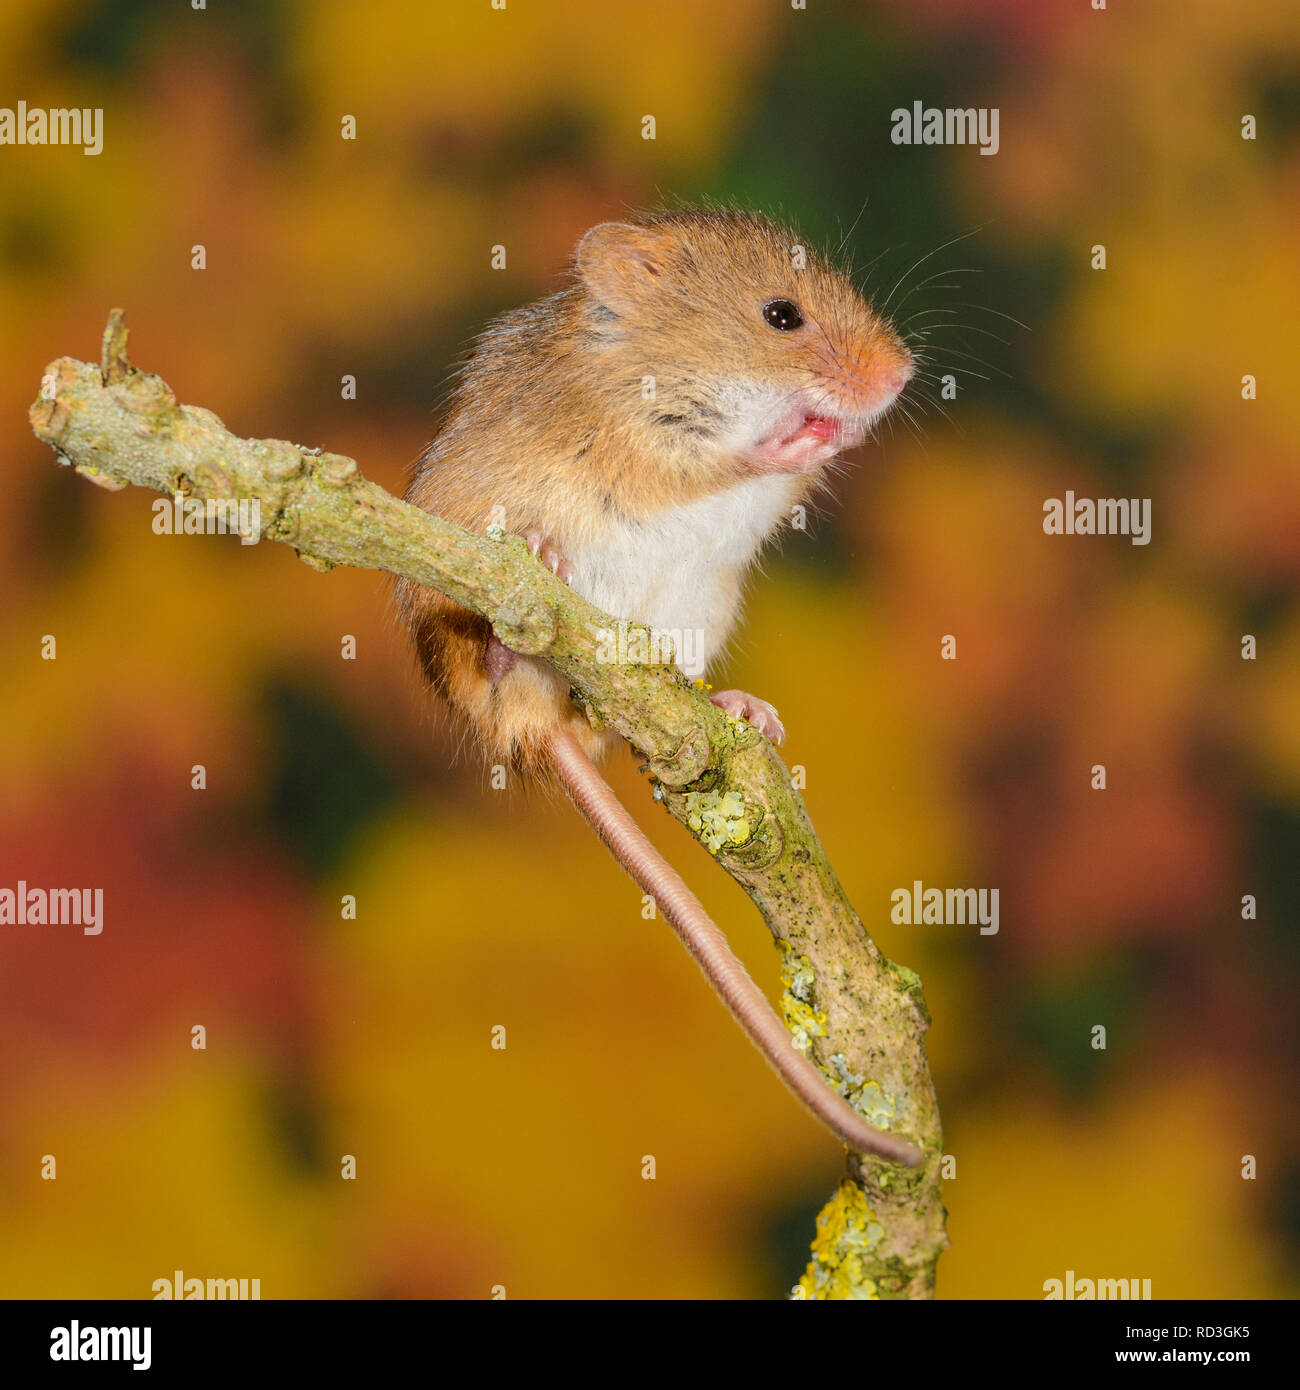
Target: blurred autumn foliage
column 477, row 908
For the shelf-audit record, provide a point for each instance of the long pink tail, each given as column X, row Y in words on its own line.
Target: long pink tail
column 701, row 936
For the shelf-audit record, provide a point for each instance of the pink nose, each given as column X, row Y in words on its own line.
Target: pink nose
column 895, row 381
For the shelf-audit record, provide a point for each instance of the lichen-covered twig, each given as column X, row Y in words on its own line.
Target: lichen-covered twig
column 861, row 1018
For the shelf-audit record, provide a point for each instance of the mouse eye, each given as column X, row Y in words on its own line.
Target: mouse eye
column 782, row 315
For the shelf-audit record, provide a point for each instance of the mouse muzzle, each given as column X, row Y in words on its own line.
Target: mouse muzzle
column 848, row 394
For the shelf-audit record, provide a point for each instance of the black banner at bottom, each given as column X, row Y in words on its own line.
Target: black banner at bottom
column 1043, row 1341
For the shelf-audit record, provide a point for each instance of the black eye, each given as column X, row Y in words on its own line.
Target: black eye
column 783, row 315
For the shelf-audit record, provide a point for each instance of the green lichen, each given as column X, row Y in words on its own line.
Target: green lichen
column 849, row 1080
column 873, row 1105
column 843, row 1252
column 719, row 819
column 866, row 1097
column 910, row 983
column 805, row 1022
column 797, row 980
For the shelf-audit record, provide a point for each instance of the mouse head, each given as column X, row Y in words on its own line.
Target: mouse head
column 764, row 356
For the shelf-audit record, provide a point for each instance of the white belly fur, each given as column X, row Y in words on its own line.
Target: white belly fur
column 677, row 572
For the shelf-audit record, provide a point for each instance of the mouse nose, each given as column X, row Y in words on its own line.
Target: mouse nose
column 893, row 375
column 868, row 381
column 897, row 373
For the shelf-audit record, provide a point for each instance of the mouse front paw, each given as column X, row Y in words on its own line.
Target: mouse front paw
column 752, row 710
column 548, row 553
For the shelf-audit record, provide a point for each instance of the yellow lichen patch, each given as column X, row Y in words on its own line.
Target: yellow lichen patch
column 741, row 730
column 847, row 1235
column 866, row 1097
column 797, row 980
column 873, row 1105
column 718, row 819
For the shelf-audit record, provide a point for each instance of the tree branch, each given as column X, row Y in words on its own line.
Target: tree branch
column 860, row 1017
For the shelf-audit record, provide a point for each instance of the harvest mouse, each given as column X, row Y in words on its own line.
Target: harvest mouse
column 647, row 429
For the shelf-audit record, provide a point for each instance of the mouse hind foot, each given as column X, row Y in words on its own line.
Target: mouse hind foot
column 548, row 553
column 498, row 659
column 752, row 710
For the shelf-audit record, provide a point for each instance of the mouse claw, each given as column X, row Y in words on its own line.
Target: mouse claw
column 548, row 553
column 752, row 710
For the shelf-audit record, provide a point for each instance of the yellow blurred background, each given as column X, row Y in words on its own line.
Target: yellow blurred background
column 371, row 1037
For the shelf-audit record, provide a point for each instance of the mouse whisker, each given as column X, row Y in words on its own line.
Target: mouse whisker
column 924, row 404
column 936, row 380
column 984, row 309
column 929, row 279
column 952, row 242
column 853, row 227
column 966, row 328
column 969, row 356
column 871, row 265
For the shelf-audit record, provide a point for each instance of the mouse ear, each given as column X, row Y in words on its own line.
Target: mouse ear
column 622, row 264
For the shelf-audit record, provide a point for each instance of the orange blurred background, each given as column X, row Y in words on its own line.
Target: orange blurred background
column 476, row 908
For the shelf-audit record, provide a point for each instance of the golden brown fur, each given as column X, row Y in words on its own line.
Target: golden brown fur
column 553, row 426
